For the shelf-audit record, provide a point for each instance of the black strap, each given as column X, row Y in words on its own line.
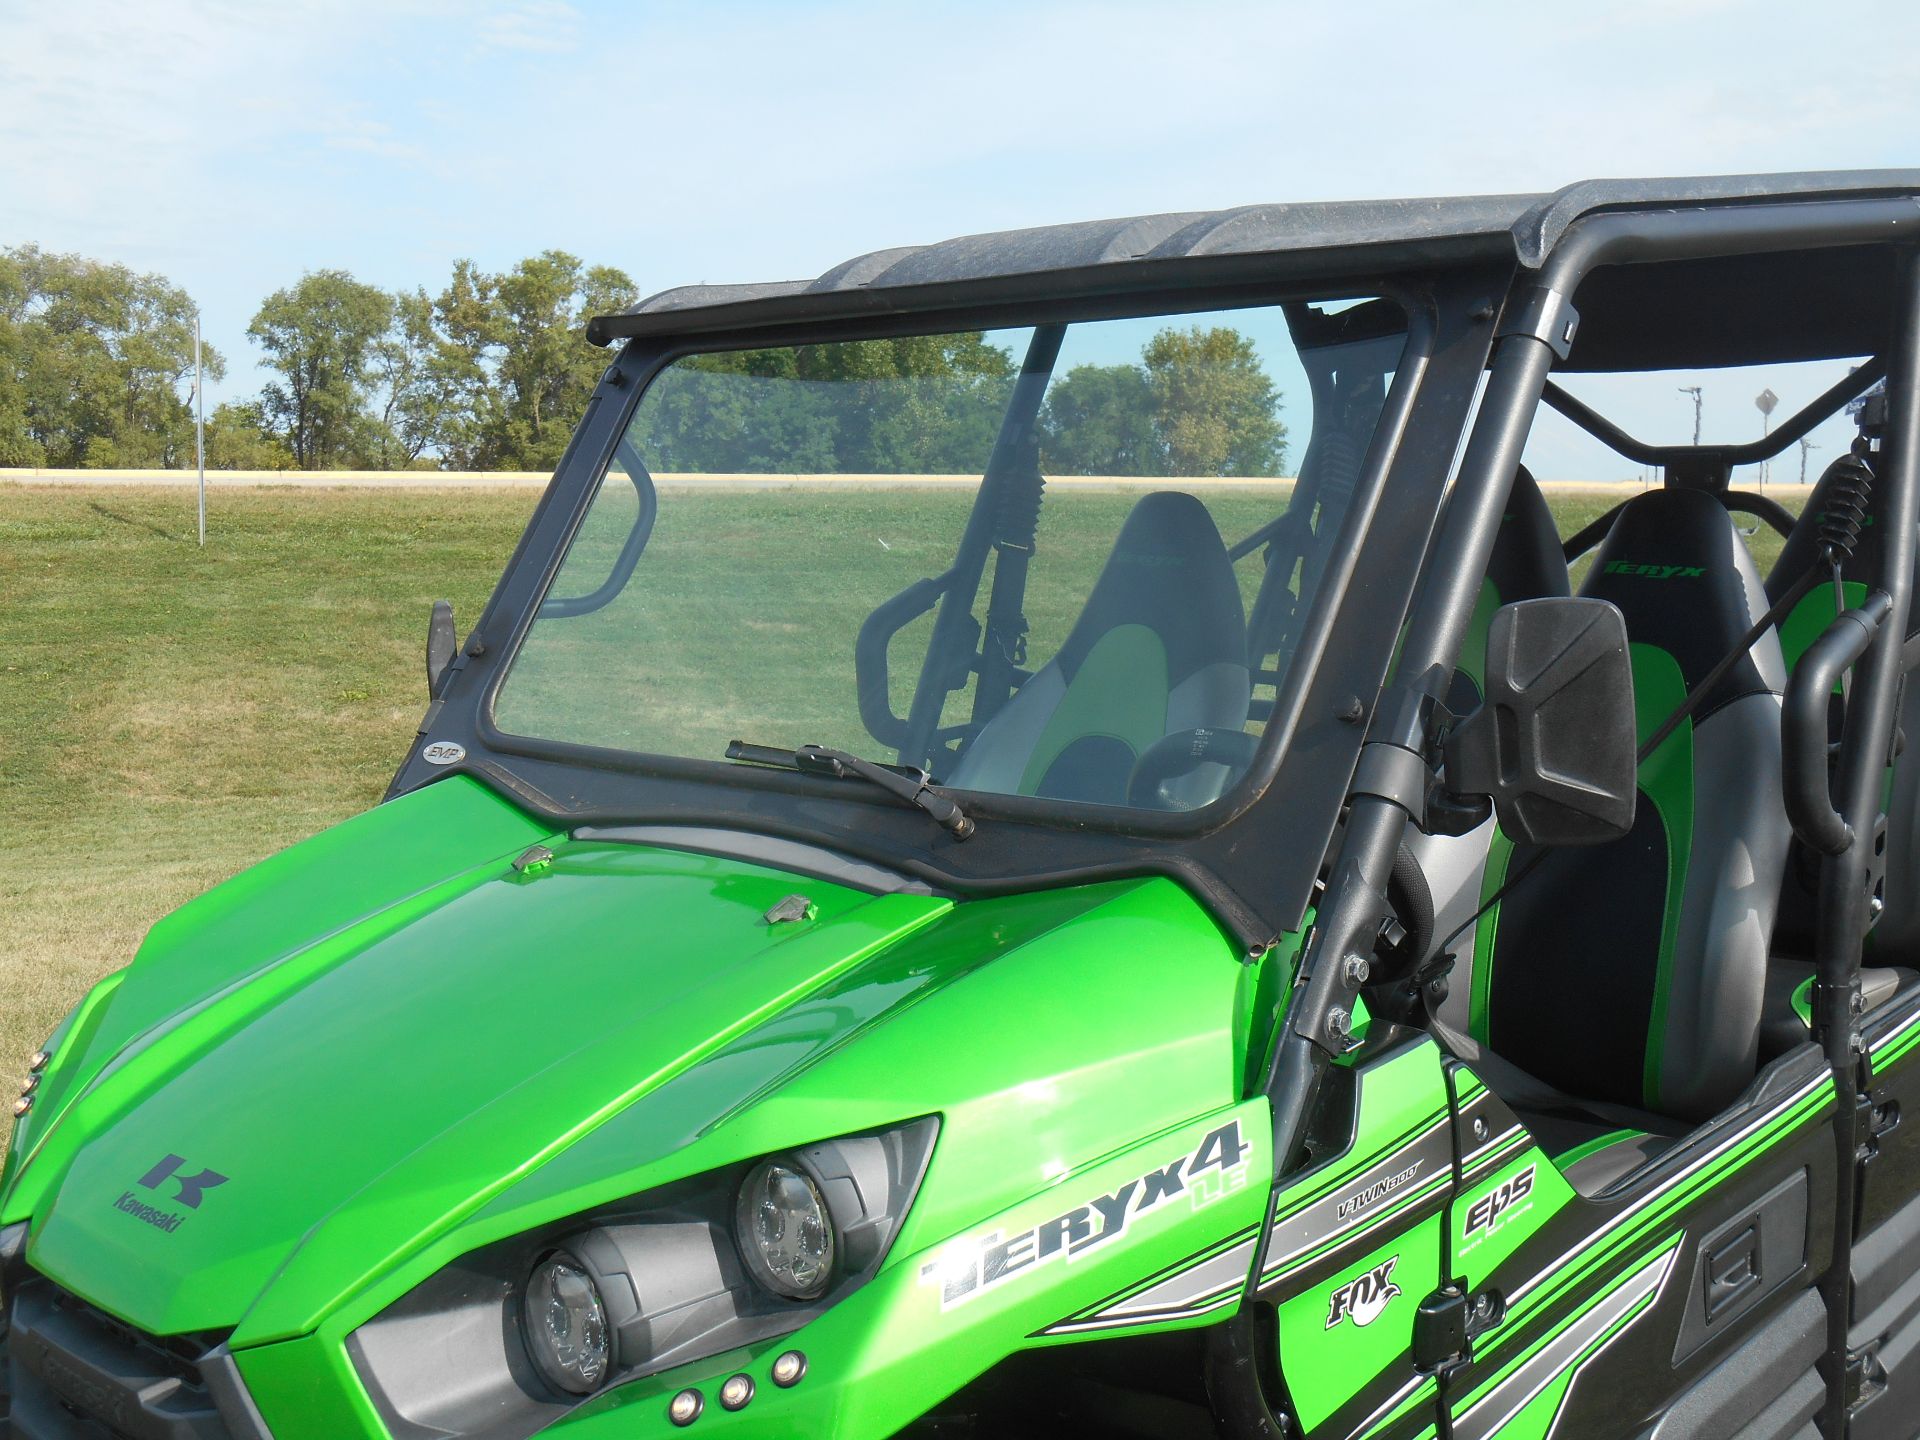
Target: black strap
column 1524, row 1090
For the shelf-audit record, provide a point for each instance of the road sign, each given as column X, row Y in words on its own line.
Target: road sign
column 1765, row 401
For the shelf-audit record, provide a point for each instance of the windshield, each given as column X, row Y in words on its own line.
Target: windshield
column 1068, row 562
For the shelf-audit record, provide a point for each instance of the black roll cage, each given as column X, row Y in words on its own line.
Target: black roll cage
column 1537, row 328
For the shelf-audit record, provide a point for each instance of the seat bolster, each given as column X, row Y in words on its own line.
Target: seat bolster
column 998, row 756
column 1709, row 1049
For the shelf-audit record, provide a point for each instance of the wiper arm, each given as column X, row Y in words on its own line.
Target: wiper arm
column 911, row 785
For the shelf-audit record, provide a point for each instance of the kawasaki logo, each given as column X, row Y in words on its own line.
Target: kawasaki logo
column 1215, row 1167
column 1487, row 1213
column 191, row 1187
column 1654, row 572
column 189, row 1190
column 1362, row 1300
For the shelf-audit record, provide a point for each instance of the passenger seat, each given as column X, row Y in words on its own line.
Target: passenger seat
column 1635, row 972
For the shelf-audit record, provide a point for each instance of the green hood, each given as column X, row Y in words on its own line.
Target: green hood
column 395, row 1072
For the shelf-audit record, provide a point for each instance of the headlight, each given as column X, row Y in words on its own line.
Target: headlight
column 785, row 1232
column 566, row 1324
column 723, row 1261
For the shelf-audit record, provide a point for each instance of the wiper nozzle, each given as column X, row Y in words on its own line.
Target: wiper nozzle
column 912, row 785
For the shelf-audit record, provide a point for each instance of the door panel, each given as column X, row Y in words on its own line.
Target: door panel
column 1615, row 1308
column 1357, row 1245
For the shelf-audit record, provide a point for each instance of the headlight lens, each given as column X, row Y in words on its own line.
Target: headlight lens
column 786, row 1235
column 566, row 1323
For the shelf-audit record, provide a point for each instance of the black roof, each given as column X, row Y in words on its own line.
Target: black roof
column 1109, row 256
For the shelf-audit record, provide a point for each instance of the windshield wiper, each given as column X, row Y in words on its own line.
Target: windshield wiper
column 911, row 785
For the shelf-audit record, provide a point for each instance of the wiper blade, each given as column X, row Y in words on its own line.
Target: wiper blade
column 912, row 785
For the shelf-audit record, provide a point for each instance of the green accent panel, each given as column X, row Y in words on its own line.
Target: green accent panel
column 69, row 1042
column 307, row 1390
column 1325, row 1364
column 1803, row 1001
column 1593, row 1147
column 1266, row 988
column 1120, row 690
column 1811, row 616
column 1666, row 779
column 1499, row 857
column 1473, row 646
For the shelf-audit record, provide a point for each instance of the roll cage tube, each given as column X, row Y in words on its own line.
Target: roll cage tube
column 1537, row 326
column 1866, row 749
column 951, row 653
column 648, row 499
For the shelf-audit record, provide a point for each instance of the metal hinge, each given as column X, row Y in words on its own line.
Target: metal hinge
column 1866, row 1376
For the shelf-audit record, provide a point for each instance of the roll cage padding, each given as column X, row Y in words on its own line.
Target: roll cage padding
column 1159, row 647
column 1635, row 972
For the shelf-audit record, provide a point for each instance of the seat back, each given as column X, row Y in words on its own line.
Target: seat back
column 1635, row 971
column 1526, row 564
column 1159, row 647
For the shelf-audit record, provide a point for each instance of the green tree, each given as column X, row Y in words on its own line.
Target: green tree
column 95, row 363
column 415, row 385
column 1198, row 403
column 518, row 355
column 1214, row 406
column 1098, row 420
column 915, row 405
column 321, row 336
column 240, row 437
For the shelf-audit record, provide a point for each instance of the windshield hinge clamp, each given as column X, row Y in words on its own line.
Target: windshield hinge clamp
column 1543, row 314
column 1394, row 774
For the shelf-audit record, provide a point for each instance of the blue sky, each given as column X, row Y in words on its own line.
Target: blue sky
column 231, row 144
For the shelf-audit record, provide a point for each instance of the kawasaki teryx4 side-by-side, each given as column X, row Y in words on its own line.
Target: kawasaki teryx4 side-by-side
column 943, row 896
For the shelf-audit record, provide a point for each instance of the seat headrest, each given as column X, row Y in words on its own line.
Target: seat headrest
column 1168, row 571
column 1685, row 582
column 1802, row 548
column 1527, row 562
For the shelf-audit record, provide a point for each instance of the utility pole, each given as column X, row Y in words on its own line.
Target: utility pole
column 200, row 426
column 1805, row 446
column 1694, row 391
column 1764, row 403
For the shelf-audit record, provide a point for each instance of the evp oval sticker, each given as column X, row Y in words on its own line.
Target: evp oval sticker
column 444, row 752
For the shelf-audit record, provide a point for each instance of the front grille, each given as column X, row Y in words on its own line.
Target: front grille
column 76, row 1373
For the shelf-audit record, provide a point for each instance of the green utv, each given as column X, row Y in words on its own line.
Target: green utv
column 942, row 897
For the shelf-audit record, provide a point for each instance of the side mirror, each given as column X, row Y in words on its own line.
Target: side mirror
column 1553, row 743
column 441, row 645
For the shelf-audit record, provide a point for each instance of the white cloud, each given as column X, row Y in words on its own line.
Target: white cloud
column 540, row 26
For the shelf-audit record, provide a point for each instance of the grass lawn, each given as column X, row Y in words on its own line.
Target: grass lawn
column 169, row 715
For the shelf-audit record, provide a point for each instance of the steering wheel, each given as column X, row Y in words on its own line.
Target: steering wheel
column 1181, row 753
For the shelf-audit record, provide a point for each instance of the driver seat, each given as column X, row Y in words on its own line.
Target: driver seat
column 1159, row 648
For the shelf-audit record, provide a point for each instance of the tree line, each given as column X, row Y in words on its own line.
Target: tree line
column 1197, row 402
column 96, row 368
column 492, row 372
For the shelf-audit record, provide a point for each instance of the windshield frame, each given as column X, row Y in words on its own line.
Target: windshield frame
column 1023, row 842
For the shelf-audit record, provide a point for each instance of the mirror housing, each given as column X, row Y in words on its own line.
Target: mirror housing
column 442, row 643
column 1553, row 744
